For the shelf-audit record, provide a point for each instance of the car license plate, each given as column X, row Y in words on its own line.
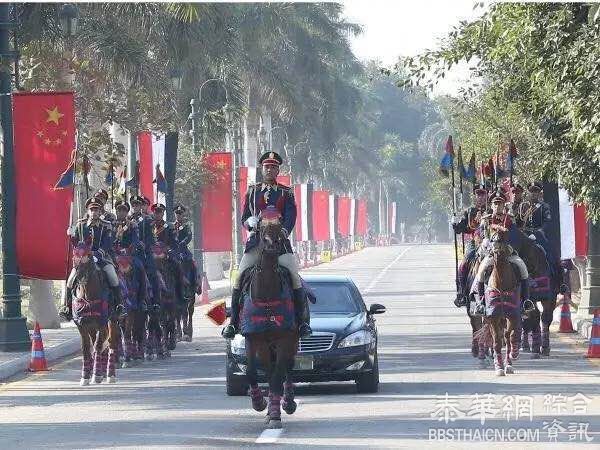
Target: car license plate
column 304, row 363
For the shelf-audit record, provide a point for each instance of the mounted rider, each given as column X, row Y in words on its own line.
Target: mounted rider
column 183, row 236
column 468, row 224
column 514, row 206
column 259, row 197
column 98, row 233
column 108, row 216
column 499, row 226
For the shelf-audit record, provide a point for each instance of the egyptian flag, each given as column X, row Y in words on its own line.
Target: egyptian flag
column 343, row 216
column 303, row 228
column 145, row 165
column 573, row 227
column 332, row 216
column 44, row 144
column 353, row 210
column 159, row 182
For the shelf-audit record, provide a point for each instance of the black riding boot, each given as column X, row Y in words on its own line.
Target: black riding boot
column 231, row 330
column 526, row 303
column 116, row 307
column 480, row 307
column 302, row 314
column 66, row 310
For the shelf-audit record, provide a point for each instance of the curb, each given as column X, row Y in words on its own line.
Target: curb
column 20, row 363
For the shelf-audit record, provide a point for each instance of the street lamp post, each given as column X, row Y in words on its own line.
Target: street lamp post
column 197, row 207
column 13, row 327
column 237, row 239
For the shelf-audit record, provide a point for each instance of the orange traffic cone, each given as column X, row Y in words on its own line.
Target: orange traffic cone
column 38, row 361
column 594, row 348
column 566, row 326
column 205, row 288
column 217, row 312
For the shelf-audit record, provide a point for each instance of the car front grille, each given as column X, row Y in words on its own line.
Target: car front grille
column 317, row 342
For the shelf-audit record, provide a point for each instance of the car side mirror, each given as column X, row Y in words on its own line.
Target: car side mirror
column 376, row 308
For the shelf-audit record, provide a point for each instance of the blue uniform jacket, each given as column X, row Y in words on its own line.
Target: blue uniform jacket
column 280, row 196
column 126, row 234
column 99, row 234
column 183, row 236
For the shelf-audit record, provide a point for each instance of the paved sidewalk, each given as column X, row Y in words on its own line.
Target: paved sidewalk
column 65, row 341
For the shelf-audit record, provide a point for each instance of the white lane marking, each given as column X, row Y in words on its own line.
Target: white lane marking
column 269, row 436
column 384, row 271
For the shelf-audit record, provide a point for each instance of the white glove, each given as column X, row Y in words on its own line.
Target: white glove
column 71, row 230
column 532, row 237
column 252, row 221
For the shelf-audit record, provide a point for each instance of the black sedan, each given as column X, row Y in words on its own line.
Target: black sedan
column 343, row 346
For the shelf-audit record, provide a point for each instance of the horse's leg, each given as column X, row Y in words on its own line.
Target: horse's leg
column 99, row 333
column 138, row 334
column 256, row 395
column 288, row 403
column 285, row 349
column 475, row 325
column 189, row 331
column 536, row 336
column 114, row 338
column 86, row 369
column 547, row 316
column 525, row 339
column 497, row 335
column 512, row 343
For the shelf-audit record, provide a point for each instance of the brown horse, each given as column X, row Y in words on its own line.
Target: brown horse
column 185, row 311
column 91, row 313
column 502, row 301
column 268, row 323
column 167, row 273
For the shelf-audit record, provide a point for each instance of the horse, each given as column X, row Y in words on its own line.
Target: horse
column 502, row 302
column 91, row 314
column 167, row 274
column 186, row 308
column 268, row 322
column 133, row 281
column 544, row 284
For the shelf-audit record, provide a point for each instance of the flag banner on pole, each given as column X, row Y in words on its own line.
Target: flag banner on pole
column 217, row 203
column 448, row 158
column 581, row 230
column 286, row 180
column 145, row 165
column 352, row 228
column 361, row 217
column 122, row 182
column 67, row 178
column 303, row 227
column 332, row 216
column 159, row 188
column 247, row 178
column 320, row 215
column 343, row 216
column 392, row 218
column 44, row 142
column 170, row 169
column 573, row 227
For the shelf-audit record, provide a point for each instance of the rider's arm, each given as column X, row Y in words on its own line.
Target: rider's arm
column 247, row 213
column 187, row 236
column 546, row 217
column 289, row 211
column 106, row 242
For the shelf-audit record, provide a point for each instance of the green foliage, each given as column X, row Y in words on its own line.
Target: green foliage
column 539, row 62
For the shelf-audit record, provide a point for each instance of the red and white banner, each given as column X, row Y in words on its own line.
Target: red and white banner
column 303, row 228
column 320, row 215
column 332, row 216
column 343, row 216
column 44, row 142
column 217, row 203
column 158, row 161
column 573, row 227
column 361, row 217
column 145, row 165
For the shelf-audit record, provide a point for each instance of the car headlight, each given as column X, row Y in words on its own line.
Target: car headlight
column 238, row 345
column 361, row 337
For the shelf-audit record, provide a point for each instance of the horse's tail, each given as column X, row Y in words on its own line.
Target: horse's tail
column 484, row 335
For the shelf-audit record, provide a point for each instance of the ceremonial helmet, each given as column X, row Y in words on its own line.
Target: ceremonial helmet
column 271, row 159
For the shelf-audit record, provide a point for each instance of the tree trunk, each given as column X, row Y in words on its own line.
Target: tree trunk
column 41, row 304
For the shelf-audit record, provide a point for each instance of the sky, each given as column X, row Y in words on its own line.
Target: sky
column 393, row 28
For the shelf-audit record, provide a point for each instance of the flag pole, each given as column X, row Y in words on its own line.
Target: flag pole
column 112, row 186
column 460, row 180
column 455, row 239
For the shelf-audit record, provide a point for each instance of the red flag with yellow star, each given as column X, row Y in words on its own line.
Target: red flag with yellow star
column 44, row 141
column 217, row 204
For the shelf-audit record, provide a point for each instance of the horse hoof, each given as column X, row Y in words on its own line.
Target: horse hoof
column 97, row 379
column 289, row 407
column 535, row 356
column 500, row 372
column 84, row 382
column 111, row 380
column 275, row 424
column 259, row 406
column 545, row 351
column 125, row 364
column 509, row 370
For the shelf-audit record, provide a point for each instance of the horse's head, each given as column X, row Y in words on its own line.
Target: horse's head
column 499, row 247
column 271, row 236
column 159, row 251
column 124, row 259
column 82, row 255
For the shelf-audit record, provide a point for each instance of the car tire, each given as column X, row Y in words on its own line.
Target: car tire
column 369, row 382
column 236, row 387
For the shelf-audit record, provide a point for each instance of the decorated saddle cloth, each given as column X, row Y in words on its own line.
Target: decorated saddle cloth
column 91, row 309
column 502, row 303
column 130, row 291
column 263, row 315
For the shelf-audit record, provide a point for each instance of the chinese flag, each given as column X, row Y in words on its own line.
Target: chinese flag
column 320, row 215
column 146, row 165
column 361, row 217
column 343, row 216
column 217, row 204
column 286, row 180
column 44, row 142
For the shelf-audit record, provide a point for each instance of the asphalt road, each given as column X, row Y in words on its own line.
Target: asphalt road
column 424, row 354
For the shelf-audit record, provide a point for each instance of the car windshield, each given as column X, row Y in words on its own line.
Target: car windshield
column 333, row 298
